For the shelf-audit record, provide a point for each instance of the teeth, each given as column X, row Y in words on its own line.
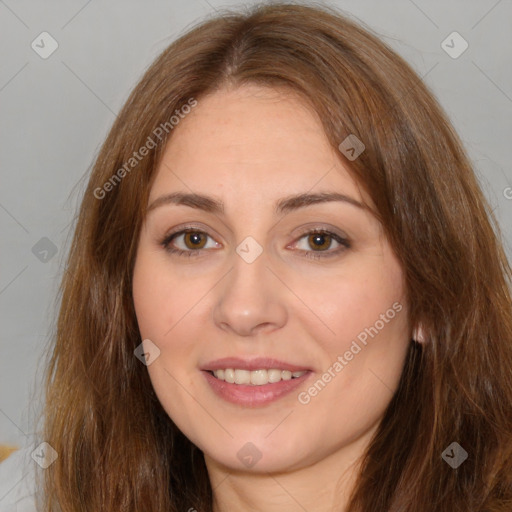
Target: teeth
column 274, row 376
column 242, row 377
column 256, row 377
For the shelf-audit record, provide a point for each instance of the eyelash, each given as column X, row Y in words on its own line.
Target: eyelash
column 307, row 254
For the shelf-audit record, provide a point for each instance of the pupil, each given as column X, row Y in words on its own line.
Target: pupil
column 194, row 238
column 319, row 240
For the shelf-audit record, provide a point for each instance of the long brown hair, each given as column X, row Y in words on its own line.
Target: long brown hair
column 118, row 449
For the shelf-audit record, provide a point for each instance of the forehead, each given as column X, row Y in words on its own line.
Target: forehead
column 252, row 141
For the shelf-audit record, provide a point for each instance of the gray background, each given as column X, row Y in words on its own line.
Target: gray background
column 55, row 113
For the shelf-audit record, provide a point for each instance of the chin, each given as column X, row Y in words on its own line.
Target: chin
column 260, row 455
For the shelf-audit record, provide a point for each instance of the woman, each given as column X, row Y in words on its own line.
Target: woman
column 284, row 292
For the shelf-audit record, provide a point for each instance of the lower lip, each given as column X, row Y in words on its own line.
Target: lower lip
column 253, row 396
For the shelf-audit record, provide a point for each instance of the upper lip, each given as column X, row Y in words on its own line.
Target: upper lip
column 259, row 363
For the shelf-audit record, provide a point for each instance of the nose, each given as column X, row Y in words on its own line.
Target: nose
column 251, row 299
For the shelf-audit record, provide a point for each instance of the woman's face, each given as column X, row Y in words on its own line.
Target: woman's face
column 253, row 291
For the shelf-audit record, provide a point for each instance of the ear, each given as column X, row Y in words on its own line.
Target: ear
column 418, row 334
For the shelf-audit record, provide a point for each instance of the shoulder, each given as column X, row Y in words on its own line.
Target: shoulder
column 17, row 482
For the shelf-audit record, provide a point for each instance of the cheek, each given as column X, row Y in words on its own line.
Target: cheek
column 159, row 306
column 166, row 314
column 370, row 321
column 363, row 299
column 148, row 299
column 158, row 296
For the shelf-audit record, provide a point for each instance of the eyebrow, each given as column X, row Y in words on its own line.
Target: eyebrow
column 285, row 205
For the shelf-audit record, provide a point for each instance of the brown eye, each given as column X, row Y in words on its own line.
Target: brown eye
column 188, row 242
column 194, row 239
column 320, row 241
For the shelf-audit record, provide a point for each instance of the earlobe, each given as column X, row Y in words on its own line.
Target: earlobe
column 418, row 334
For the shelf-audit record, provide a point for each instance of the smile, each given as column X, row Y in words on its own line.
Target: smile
column 255, row 377
column 254, row 395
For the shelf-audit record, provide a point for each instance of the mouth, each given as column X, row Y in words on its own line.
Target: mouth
column 253, row 383
column 259, row 377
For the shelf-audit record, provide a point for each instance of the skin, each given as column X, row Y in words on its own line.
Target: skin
column 251, row 147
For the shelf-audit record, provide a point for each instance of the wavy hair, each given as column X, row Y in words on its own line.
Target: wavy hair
column 118, row 449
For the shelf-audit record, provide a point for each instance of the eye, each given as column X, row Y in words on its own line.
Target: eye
column 192, row 241
column 322, row 240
